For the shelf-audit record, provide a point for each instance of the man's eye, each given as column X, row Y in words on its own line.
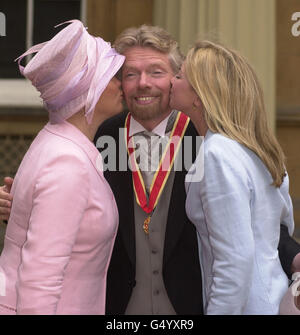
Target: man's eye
column 129, row 74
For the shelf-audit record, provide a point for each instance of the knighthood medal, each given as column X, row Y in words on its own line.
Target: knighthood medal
column 162, row 173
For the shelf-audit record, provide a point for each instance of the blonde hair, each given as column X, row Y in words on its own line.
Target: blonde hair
column 233, row 102
column 153, row 37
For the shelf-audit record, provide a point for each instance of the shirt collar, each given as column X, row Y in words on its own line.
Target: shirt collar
column 160, row 129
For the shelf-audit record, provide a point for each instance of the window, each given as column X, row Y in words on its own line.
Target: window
column 29, row 22
column 14, row 43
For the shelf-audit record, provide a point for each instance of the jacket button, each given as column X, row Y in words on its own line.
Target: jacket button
column 156, row 292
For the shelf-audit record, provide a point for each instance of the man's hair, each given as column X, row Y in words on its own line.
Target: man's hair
column 152, row 37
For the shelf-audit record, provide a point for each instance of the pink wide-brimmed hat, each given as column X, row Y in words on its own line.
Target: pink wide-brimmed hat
column 71, row 70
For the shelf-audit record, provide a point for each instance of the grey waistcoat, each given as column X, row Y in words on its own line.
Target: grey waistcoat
column 149, row 296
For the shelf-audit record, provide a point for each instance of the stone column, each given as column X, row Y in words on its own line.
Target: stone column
column 245, row 25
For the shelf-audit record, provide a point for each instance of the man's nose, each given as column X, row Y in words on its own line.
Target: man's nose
column 144, row 81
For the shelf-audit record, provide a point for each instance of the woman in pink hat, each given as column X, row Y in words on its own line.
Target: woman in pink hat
column 64, row 218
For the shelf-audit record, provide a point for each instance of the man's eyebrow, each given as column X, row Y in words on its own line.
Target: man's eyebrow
column 158, row 63
column 131, row 68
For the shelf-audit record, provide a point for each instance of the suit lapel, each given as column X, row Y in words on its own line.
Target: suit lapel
column 122, row 187
column 177, row 216
column 176, row 219
column 126, row 213
column 127, row 226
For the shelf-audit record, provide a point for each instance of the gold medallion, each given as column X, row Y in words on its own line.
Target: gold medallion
column 146, row 224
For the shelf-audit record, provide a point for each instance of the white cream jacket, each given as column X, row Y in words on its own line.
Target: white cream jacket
column 238, row 214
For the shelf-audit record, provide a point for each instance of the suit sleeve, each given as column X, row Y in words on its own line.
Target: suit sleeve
column 59, row 201
column 288, row 248
column 225, row 196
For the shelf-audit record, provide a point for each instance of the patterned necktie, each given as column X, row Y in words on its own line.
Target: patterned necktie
column 150, row 147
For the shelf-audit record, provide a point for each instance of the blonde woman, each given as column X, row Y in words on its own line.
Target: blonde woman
column 243, row 197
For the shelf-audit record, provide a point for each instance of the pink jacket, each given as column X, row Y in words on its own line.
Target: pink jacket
column 61, row 230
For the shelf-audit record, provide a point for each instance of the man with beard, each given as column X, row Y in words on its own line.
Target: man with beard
column 154, row 266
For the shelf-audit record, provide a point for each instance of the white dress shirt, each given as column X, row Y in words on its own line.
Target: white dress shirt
column 238, row 214
column 150, row 145
column 136, row 127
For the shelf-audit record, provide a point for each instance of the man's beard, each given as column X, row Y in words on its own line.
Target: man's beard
column 146, row 113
